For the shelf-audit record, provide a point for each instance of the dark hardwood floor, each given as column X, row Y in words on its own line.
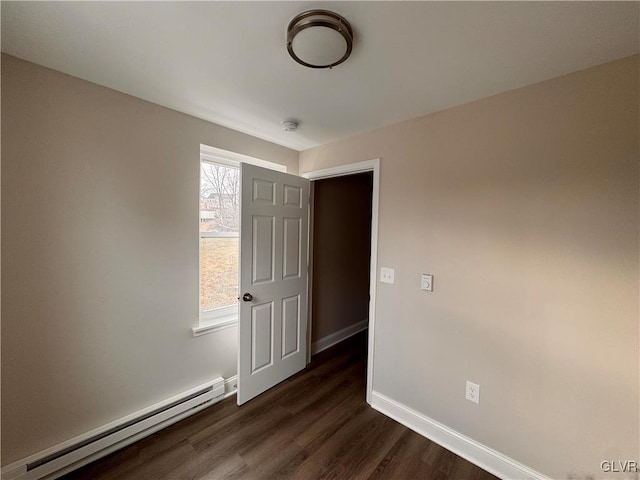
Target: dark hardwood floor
column 314, row 425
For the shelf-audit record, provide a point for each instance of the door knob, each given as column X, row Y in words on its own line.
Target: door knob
column 247, row 297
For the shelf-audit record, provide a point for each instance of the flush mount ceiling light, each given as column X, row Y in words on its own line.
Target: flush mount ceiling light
column 319, row 39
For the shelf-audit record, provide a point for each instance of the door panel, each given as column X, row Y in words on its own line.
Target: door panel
column 264, row 191
column 261, row 336
column 262, row 260
column 290, row 325
column 273, row 270
column 292, row 248
column 292, row 196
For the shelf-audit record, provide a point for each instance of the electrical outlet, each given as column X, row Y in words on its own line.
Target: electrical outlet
column 387, row 275
column 426, row 282
column 473, row 392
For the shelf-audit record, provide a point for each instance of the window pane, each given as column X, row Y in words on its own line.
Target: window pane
column 218, row 272
column 219, row 198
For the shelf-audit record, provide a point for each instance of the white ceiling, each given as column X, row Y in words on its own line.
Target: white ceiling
column 226, row 61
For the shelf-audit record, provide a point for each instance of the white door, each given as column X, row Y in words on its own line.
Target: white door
column 273, row 279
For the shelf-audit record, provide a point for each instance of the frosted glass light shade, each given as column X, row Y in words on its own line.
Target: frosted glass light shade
column 319, row 39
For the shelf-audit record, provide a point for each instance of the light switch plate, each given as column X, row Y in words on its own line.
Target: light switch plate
column 387, row 275
column 426, row 282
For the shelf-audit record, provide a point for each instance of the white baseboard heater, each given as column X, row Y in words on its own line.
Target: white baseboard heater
column 65, row 457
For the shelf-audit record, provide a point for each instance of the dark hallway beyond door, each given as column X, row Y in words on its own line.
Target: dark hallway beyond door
column 341, row 242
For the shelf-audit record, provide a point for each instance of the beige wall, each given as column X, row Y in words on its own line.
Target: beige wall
column 525, row 208
column 341, row 253
column 100, row 255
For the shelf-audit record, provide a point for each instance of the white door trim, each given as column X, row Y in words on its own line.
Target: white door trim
column 350, row 169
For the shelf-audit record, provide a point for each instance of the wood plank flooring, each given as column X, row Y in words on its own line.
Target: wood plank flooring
column 315, row 425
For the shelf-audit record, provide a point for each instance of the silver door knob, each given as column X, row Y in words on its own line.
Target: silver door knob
column 247, row 297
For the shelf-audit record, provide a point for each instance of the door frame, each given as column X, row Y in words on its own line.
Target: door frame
column 340, row 171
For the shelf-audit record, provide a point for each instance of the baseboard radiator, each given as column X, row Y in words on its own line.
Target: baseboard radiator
column 60, row 459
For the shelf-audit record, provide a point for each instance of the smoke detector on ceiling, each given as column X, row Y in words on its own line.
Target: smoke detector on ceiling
column 290, row 125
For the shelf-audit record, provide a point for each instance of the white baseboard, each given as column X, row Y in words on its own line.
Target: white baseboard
column 230, row 386
column 486, row 458
column 337, row 337
column 78, row 451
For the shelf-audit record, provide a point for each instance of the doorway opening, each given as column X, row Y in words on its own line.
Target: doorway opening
column 275, row 283
column 346, row 203
column 341, row 258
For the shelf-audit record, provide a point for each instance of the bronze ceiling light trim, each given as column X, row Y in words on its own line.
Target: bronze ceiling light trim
column 319, row 39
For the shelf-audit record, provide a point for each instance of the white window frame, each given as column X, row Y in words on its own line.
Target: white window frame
column 227, row 316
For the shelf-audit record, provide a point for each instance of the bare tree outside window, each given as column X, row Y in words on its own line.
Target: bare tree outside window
column 219, row 235
column 219, row 198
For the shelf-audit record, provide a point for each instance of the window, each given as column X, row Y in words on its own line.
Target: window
column 219, row 241
column 220, row 236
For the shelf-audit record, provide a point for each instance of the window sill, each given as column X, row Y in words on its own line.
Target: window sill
column 213, row 326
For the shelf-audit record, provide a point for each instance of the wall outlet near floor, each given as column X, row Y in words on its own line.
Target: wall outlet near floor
column 426, row 282
column 387, row 275
column 473, row 392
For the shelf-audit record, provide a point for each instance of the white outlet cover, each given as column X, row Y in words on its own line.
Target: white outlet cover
column 387, row 275
column 426, row 282
column 473, row 392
